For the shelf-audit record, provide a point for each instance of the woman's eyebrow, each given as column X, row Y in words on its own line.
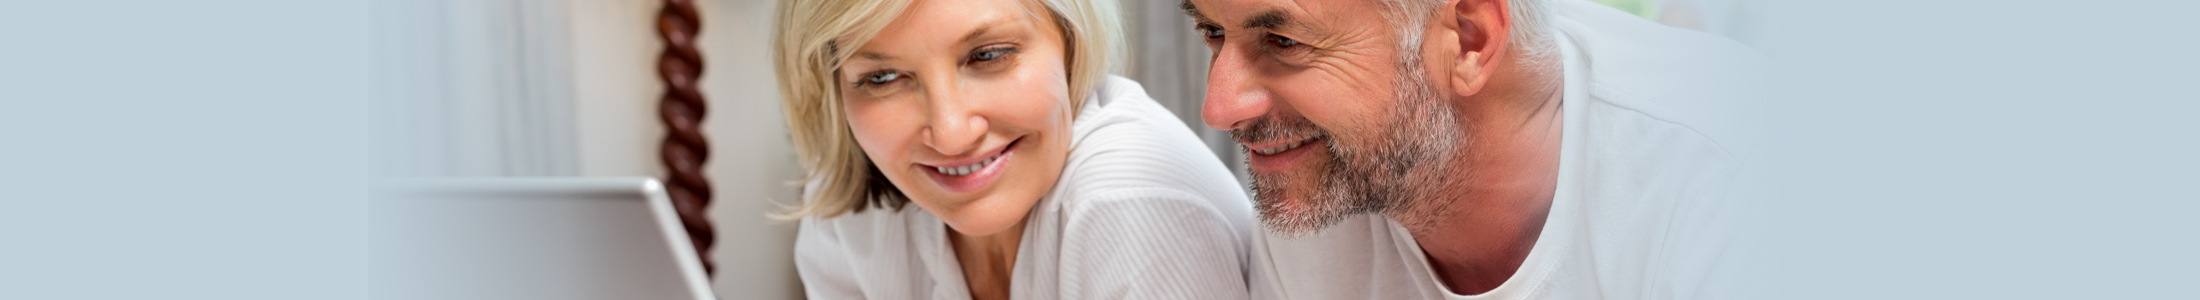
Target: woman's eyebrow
column 983, row 28
column 875, row 56
column 978, row 32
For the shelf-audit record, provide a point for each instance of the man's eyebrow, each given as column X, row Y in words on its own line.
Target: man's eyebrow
column 1192, row 11
column 1270, row 20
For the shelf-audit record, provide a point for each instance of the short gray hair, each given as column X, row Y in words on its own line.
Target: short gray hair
column 1531, row 25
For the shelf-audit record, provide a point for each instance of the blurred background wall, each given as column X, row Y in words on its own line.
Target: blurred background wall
column 569, row 88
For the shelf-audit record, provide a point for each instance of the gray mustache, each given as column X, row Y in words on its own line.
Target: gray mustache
column 1269, row 129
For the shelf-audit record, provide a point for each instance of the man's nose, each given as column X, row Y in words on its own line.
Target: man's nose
column 954, row 126
column 1233, row 97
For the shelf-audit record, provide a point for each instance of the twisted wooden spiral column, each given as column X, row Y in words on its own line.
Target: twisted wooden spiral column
column 681, row 108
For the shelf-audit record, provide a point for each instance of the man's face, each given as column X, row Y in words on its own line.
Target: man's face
column 1334, row 119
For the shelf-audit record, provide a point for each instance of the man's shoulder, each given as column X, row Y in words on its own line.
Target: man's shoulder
column 1676, row 76
column 1663, row 136
column 1624, row 43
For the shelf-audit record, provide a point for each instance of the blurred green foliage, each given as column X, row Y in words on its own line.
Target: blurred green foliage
column 1644, row 8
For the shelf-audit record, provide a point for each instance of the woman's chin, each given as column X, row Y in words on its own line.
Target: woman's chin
column 989, row 215
column 988, row 227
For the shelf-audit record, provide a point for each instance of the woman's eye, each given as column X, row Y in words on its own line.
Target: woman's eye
column 990, row 54
column 879, row 78
column 1209, row 31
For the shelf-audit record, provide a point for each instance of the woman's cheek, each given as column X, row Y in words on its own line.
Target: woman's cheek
column 873, row 127
column 1036, row 103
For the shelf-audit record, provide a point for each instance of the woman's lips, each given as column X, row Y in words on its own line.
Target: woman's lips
column 972, row 177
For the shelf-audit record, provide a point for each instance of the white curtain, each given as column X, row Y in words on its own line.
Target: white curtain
column 1171, row 62
column 472, row 88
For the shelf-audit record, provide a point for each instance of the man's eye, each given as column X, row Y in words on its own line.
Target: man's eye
column 1283, row 42
column 1209, row 31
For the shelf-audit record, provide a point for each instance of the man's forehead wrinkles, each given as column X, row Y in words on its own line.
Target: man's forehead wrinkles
column 1329, row 24
column 1319, row 13
column 1298, row 10
column 1303, row 19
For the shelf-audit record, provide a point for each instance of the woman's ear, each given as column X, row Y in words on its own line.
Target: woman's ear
column 1483, row 34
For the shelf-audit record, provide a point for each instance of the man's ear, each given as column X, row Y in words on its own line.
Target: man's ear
column 1484, row 31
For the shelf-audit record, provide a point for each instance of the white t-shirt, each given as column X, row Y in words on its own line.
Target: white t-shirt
column 1142, row 211
column 1641, row 209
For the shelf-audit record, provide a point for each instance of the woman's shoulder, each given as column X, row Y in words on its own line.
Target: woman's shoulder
column 855, row 233
column 1139, row 192
column 872, row 252
column 1133, row 152
column 1149, row 236
column 1130, row 130
column 868, row 218
column 1124, row 101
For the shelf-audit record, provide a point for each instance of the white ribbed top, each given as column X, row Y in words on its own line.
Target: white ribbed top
column 1142, row 211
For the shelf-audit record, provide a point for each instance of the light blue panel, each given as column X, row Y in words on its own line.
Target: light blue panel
column 182, row 149
column 1987, row 149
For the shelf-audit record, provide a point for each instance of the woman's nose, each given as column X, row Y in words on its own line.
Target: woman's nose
column 955, row 127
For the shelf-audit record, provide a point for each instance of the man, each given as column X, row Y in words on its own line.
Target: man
column 1479, row 149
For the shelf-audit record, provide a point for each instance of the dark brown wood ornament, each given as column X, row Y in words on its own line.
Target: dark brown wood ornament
column 681, row 108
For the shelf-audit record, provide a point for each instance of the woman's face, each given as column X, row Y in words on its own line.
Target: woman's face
column 965, row 107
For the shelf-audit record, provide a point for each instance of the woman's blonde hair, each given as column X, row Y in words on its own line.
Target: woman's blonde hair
column 813, row 38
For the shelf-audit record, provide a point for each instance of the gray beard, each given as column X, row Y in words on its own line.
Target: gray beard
column 1405, row 164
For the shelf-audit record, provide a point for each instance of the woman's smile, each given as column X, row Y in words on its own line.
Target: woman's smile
column 974, row 173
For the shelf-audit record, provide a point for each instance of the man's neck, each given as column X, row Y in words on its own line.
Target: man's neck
column 987, row 261
column 1476, row 241
column 1474, row 255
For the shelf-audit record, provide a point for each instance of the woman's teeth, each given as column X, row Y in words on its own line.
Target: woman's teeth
column 966, row 170
column 1279, row 149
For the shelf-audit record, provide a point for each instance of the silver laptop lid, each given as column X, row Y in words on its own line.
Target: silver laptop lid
column 529, row 238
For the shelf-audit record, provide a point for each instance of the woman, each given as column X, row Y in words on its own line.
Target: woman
column 1034, row 174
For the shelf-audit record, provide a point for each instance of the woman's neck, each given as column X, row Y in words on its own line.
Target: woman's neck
column 987, row 261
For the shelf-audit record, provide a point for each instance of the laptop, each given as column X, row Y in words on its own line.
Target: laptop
column 529, row 238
